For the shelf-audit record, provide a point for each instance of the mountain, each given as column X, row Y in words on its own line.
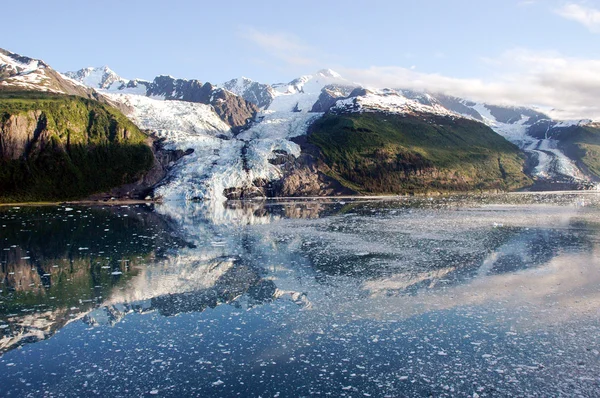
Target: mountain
column 321, row 134
column 534, row 132
column 20, row 73
column 277, row 153
column 537, row 134
column 99, row 78
column 257, row 93
column 231, row 108
column 57, row 147
column 61, row 140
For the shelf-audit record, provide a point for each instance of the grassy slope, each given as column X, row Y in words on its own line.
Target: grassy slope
column 89, row 147
column 583, row 143
column 379, row 153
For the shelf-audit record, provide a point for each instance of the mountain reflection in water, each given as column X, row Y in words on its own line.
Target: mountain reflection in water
column 522, row 263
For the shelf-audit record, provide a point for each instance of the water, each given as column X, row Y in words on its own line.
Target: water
column 462, row 296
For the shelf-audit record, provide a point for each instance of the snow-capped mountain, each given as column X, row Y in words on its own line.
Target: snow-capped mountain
column 223, row 164
column 227, row 164
column 233, row 109
column 531, row 130
column 244, row 133
column 301, row 95
column 100, row 78
column 19, row 73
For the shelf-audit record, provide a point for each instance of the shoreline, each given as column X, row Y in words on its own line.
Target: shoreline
column 123, row 202
column 80, row 203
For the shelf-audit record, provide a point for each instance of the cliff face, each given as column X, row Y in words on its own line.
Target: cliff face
column 56, row 147
column 18, row 134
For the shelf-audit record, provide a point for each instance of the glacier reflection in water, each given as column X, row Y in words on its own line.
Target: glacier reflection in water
column 459, row 296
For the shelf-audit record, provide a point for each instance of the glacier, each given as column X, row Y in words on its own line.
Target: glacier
column 219, row 160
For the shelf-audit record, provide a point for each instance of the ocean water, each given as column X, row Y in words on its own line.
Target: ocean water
column 458, row 296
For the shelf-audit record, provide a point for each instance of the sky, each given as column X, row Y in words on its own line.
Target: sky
column 544, row 53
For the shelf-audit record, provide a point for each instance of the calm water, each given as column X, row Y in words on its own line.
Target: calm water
column 490, row 297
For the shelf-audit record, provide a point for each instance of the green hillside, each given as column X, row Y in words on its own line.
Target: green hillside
column 398, row 154
column 55, row 147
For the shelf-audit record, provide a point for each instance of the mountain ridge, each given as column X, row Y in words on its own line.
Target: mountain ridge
column 326, row 91
column 267, row 131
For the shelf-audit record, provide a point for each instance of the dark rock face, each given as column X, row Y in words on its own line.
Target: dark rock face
column 303, row 176
column 307, row 175
column 330, row 95
column 179, row 89
column 508, row 114
column 19, row 134
column 232, row 109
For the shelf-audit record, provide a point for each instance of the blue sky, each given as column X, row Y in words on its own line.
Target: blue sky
column 481, row 49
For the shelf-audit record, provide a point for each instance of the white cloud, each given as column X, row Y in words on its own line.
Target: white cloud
column 568, row 87
column 587, row 16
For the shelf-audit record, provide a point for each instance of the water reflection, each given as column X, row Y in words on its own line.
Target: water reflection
column 298, row 273
column 57, row 263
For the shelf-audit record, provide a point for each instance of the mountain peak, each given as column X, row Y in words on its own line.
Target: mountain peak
column 329, row 73
column 97, row 77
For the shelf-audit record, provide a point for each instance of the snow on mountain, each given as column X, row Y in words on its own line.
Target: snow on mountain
column 22, row 71
column 301, row 94
column 177, row 116
column 99, row 78
column 516, row 124
column 105, row 79
column 222, row 162
column 188, row 125
column 389, row 102
column 260, row 94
